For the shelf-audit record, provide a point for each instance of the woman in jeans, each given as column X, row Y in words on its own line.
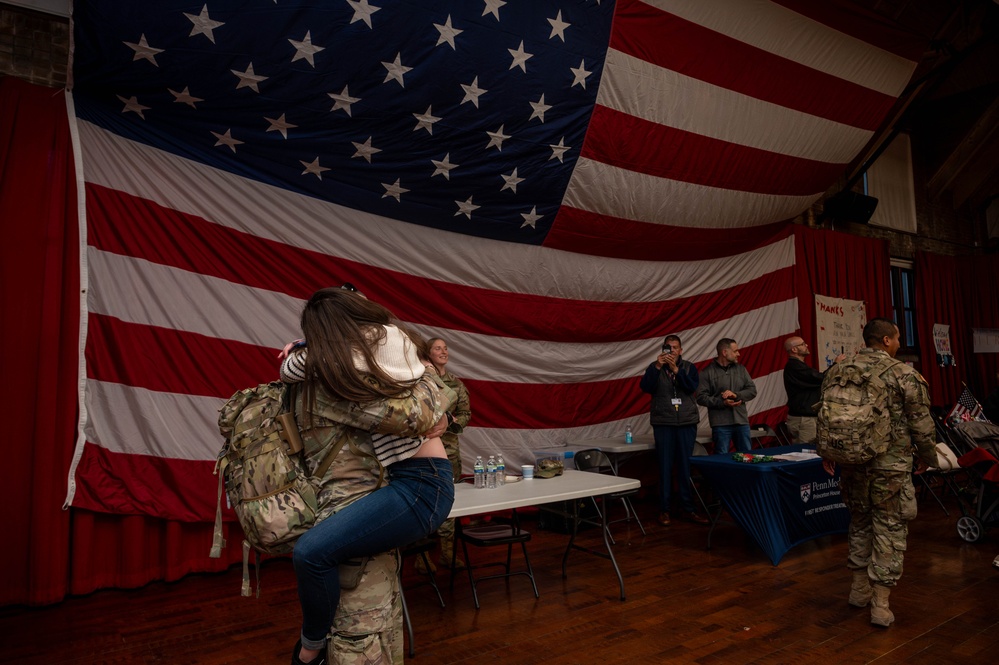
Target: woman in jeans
column 359, row 353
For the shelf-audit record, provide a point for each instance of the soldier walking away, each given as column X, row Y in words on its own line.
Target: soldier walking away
column 879, row 493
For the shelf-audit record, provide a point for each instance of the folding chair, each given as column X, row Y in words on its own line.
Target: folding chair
column 597, row 461
column 943, row 475
column 766, row 436
column 492, row 535
column 419, row 548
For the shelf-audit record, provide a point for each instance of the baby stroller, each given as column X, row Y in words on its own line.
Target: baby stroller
column 981, row 441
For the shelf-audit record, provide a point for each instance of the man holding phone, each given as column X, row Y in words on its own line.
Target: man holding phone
column 672, row 383
column 725, row 389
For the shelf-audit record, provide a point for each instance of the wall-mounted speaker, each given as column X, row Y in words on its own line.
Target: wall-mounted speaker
column 850, row 206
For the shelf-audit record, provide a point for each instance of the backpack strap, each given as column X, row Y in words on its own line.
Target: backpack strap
column 381, row 467
column 218, row 542
column 290, row 433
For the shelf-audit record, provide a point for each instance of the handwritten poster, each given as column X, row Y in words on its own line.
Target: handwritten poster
column 839, row 327
column 941, row 342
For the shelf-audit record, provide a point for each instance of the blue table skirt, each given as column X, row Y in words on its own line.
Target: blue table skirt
column 779, row 504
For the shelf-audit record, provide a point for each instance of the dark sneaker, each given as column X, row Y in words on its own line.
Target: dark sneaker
column 664, row 519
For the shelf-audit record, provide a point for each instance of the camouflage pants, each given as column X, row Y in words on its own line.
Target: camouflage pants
column 446, row 530
column 367, row 629
column 881, row 503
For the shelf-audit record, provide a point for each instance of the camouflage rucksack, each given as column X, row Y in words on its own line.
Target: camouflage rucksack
column 261, row 467
column 854, row 424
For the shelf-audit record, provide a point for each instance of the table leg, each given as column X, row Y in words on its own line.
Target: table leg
column 605, row 533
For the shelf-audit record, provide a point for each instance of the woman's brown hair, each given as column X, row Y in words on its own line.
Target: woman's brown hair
column 337, row 323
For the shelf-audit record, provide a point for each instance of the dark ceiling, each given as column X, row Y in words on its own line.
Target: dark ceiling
column 951, row 107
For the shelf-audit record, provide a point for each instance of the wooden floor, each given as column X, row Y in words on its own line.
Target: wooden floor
column 685, row 605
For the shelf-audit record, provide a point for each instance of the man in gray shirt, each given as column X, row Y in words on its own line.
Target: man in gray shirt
column 725, row 388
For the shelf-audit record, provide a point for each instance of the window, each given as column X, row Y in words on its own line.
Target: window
column 903, row 298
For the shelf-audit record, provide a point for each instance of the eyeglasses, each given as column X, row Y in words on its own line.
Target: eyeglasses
column 347, row 286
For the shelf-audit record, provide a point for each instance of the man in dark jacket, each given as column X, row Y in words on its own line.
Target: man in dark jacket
column 672, row 383
column 802, row 384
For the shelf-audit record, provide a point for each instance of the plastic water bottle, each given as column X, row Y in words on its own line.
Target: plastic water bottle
column 627, row 434
column 491, row 473
column 480, row 472
column 500, row 471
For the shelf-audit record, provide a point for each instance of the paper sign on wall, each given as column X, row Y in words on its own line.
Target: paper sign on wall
column 941, row 342
column 840, row 326
column 986, row 340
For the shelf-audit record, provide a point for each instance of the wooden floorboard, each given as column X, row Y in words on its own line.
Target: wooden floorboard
column 685, row 605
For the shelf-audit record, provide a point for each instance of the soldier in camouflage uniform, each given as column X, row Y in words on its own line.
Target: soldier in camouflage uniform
column 458, row 419
column 879, row 494
column 348, row 396
column 368, row 624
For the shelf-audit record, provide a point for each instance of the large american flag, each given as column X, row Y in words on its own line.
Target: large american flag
column 550, row 186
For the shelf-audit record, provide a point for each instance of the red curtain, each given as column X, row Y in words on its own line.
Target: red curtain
column 53, row 552
column 841, row 266
column 40, row 291
column 962, row 292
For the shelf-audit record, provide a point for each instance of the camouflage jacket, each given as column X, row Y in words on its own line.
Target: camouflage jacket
column 351, row 425
column 909, row 405
column 461, row 411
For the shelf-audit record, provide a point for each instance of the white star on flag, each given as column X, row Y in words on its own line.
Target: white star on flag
column 539, row 109
column 144, row 51
column 280, row 125
column 395, row 70
column 305, row 49
column 426, row 120
column 314, row 168
column 364, row 150
column 132, row 104
column 343, row 100
column 558, row 26
column 394, row 190
column 473, row 92
column 579, row 74
column 559, row 150
column 203, row 25
column 520, row 57
column 248, row 79
column 362, row 11
column 227, row 140
column 448, row 33
column 531, row 218
column 443, row 167
column 496, row 139
column 493, row 7
column 466, row 207
column 511, row 181
column 185, row 97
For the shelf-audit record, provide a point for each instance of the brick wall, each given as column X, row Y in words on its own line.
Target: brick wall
column 34, row 46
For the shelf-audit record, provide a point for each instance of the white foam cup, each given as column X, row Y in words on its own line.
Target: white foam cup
column 527, row 470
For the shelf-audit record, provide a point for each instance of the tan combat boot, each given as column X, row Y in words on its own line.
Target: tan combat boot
column 880, row 614
column 447, row 550
column 421, row 567
column 860, row 592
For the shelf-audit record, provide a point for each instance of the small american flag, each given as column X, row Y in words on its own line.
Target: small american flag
column 966, row 409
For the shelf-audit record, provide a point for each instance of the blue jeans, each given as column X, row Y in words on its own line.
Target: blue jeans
column 674, row 444
column 415, row 502
column 737, row 434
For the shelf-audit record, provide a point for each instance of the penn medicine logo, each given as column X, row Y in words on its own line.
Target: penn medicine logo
column 806, row 492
